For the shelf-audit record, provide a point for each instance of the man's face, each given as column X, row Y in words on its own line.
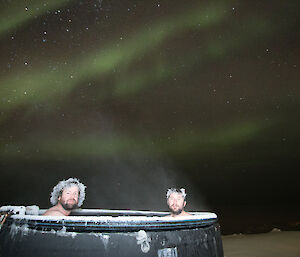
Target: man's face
column 69, row 198
column 176, row 203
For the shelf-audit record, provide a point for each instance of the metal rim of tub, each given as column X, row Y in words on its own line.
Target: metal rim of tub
column 113, row 221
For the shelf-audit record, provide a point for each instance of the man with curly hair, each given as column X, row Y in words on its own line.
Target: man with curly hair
column 66, row 195
column 176, row 202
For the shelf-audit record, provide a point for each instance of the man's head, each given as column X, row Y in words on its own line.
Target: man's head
column 69, row 193
column 176, row 200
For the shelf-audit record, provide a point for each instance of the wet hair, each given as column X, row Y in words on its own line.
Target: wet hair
column 176, row 190
column 57, row 190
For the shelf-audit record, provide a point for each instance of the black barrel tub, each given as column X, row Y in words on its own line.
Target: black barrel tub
column 108, row 233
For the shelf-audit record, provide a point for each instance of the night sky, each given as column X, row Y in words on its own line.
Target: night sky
column 133, row 97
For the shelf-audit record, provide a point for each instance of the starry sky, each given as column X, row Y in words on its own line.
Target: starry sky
column 134, row 96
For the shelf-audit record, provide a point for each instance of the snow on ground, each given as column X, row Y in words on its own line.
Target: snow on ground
column 273, row 244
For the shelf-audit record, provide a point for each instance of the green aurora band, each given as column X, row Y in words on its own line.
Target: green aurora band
column 31, row 87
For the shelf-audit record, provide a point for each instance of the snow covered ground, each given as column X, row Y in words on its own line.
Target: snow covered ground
column 273, row 244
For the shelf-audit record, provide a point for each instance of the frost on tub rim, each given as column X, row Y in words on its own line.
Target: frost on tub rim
column 96, row 220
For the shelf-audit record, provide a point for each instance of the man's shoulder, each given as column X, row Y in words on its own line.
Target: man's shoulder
column 187, row 214
column 184, row 213
column 53, row 212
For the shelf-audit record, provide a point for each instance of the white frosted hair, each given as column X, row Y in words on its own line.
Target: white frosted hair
column 57, row 190
column 175, row 190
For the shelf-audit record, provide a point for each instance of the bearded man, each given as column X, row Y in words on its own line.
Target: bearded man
column 66, row 196
column 176, row 202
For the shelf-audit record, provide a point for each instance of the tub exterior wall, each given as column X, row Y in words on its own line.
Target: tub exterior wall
column 16, row 241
